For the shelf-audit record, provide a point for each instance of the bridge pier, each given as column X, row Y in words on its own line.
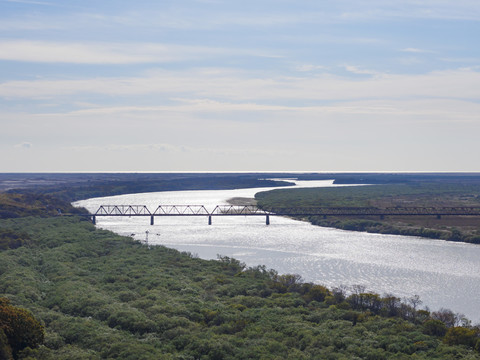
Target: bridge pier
column 152, row 221
column 267, row 221
column 209, row 219
column 94, row 220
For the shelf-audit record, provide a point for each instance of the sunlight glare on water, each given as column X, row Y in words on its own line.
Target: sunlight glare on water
column 444, row 274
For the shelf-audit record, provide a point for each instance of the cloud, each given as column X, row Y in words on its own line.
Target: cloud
column 24, row 145
column 209, row 15
column 30, row 2
column 206, row 111
column 112, row 53
column 239, row 86
column 462, row 60
column 416, row 51
column 357, row 70
column 310, row 67
column 179, row 149
column 310, row 12
column 362, row 10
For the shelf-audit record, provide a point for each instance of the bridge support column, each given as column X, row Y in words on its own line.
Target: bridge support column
column 152, row 220
column 94, row 220
column 267, row 221
column 209, row 219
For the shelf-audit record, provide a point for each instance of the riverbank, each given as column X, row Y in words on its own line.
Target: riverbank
column 437, row 195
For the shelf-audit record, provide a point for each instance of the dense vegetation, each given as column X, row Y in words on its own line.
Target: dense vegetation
column 439, row 194
column 14, row 205
column 100, row 295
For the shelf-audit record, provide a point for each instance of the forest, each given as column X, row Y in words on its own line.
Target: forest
column 71, row 291
column 100, row 296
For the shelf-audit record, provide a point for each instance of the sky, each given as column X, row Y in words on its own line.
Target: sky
column 252, row 85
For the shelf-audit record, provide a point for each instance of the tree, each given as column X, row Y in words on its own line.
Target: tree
column 20, row 327
column 446, row 316
column 287, row 283
column 414, row 302
column 391, row 304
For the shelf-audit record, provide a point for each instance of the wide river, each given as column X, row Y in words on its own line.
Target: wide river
column 444, row 274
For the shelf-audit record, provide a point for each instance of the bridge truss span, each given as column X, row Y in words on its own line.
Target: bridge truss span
column 123, row 210
column 181, row 210
column 252, row 210
column 238, row 210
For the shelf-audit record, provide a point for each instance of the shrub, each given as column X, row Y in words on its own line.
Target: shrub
column 10, row 239
column 461, row 336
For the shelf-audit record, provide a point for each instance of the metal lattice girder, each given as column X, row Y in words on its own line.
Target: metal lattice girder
column 138, row 210
column 238, row 210
column 123, row 210
column 181, row 210
column 200, row 210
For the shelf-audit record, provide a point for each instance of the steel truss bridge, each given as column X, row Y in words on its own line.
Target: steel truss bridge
column 252, row 210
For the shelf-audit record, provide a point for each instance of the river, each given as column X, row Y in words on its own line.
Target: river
column 444, row 274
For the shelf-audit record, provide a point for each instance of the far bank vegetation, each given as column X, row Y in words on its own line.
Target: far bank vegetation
column 453, row 228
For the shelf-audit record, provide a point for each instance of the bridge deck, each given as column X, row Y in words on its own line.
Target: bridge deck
column 251, row 210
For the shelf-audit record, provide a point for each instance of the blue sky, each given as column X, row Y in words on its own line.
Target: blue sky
column 213, row 85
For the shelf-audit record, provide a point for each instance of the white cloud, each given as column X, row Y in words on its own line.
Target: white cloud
column 380, row 110
column 24, row 145
column 30, row 2
column 359, row 71
column 209, row 15
column 238, row 86
column 416, row 51
column 172, row 149
column 112, row 53
column 310, row 67
column 362, row 10
column 462, row 60
column 207, row 134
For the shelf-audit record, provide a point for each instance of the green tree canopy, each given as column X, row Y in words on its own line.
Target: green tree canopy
column 20, row 328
